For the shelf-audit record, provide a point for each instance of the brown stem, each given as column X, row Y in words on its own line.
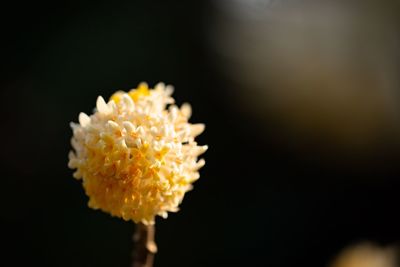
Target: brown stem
column 144, row 246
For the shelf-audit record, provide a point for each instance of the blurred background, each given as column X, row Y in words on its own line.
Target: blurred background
column 302, row 105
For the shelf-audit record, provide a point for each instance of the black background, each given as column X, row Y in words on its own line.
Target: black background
column 261, row 201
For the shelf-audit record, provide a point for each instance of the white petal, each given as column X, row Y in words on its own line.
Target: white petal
column 128, row 126
column 164, row 130
column 71, row 155
column 122, row 143
column 112, row 106
column 154, row 130
column 199, row 150
column 196, row 129
column 173, row 209
column 138, row 143
column 77, row 174
column 113, row 125
column 140, row 130
column 156, row 145
column 169, row 89
column 173, row 113
column 127, row 100
column 199, row 164
column 186, row 110
column 156, row 164
column 159, row 86
column 84, row 119
column 74, row 126
column 102, row 106
column 168, row 146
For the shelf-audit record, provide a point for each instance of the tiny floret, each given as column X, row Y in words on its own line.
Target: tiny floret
column 136, row 154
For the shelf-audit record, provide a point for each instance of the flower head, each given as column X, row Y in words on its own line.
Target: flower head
column 136, row 154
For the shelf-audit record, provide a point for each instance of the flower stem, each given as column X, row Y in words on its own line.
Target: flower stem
column 144, row 246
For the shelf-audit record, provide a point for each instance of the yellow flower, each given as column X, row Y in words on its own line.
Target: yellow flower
column 136, row 155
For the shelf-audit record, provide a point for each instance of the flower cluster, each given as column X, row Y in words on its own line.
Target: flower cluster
column 136, row 155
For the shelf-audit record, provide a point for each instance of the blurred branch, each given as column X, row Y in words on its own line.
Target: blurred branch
column 144, row 246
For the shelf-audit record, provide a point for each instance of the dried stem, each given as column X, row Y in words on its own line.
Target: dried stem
column 144, row 246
